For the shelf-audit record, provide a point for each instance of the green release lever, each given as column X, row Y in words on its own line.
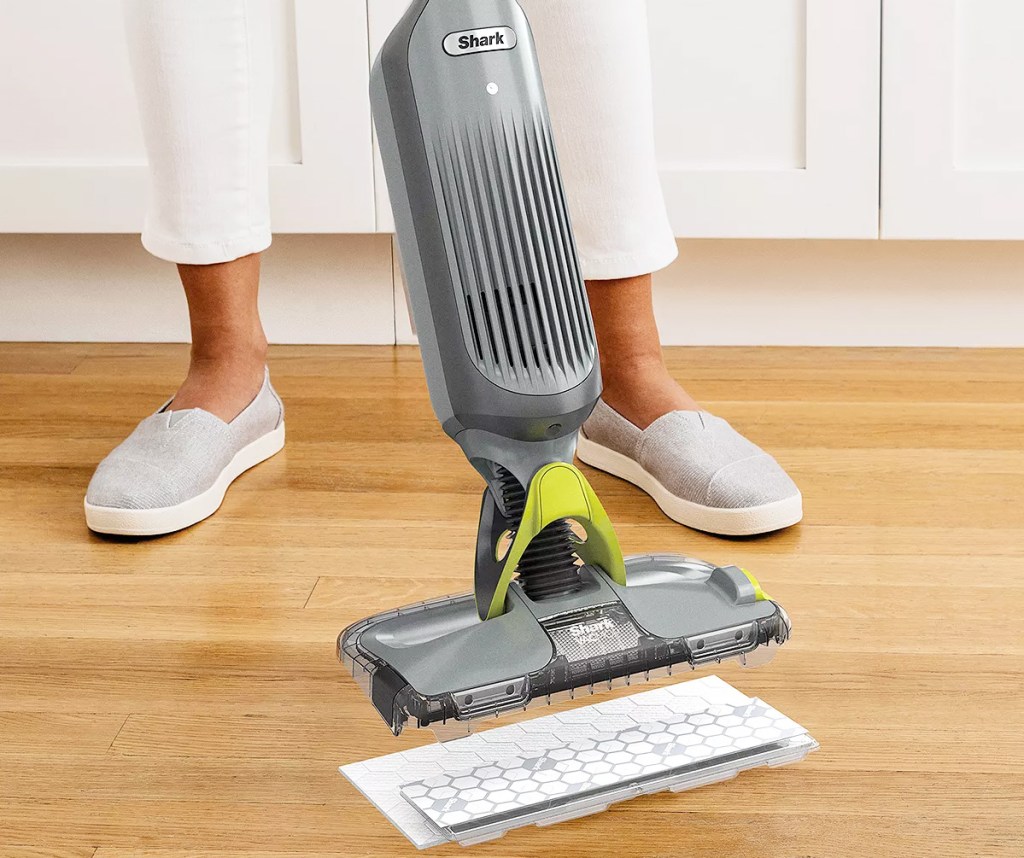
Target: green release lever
column 557, row 492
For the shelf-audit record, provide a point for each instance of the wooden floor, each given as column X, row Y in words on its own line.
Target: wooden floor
column 180, row 697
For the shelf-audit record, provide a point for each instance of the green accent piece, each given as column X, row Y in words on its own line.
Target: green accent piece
column 559, row 491
column 761, row 595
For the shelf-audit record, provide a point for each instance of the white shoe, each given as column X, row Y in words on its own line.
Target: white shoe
column 697, row 468
column 175, row 468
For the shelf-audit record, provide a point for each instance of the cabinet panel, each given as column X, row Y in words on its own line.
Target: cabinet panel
column 74, row 159
column 767, row 116
column 989, row 85
column 953, row 129
column 730, row 95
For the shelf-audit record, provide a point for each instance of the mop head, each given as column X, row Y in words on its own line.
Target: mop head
column 437, row 662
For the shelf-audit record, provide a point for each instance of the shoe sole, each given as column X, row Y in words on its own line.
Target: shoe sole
column 157, row 522
column 744, row 521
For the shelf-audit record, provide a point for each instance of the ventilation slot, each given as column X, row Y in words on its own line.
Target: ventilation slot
column 512, row 256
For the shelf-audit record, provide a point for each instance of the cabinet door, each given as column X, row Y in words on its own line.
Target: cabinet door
column 953, row 130
column 766, row 115
column 71, row 153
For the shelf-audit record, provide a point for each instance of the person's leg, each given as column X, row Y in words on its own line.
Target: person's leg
column 646, row 428
column 202, row 77
column 637, row 383
column 599, row 91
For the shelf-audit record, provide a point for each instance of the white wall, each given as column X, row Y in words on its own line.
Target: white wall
column 341, row 289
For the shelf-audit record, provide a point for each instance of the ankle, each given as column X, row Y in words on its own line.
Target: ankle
column 623, row 370
column 236, row 371
column 223, row 379
column 224, row 350
column 643, row 391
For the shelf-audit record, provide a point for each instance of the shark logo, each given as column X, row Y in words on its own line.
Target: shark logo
column 591, row 633
column 479, row 41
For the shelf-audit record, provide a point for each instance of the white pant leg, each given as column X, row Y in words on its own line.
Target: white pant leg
column 598, row 84
column 202, row 73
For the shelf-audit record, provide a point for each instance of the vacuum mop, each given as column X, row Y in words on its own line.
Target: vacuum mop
column 511, row 360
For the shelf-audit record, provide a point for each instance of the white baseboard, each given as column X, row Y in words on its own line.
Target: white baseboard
column 106, row 288
column 843, row 293
column 343, row 289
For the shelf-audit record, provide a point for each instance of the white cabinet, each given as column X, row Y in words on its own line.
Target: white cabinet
column 953, row 140
column 71, row 154
column 767, row 116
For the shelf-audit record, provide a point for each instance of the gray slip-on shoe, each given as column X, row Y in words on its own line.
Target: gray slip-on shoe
column 699, row 470
column 175, row 468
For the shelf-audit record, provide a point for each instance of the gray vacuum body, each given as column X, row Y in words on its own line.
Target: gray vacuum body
column 483, row 230
column 511, row 363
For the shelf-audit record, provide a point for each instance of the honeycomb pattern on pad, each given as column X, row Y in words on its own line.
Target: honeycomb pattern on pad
column 640, row 749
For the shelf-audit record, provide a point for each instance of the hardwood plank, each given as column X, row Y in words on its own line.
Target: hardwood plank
column 146, row 590
column 293, row 680
column 59, row 733
column 41, row 358
column 695, row 835
column 905, row 632
column 848, row 747
column 753, row 820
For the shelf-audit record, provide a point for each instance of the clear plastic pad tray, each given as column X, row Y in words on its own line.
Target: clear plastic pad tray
column 578, row 762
